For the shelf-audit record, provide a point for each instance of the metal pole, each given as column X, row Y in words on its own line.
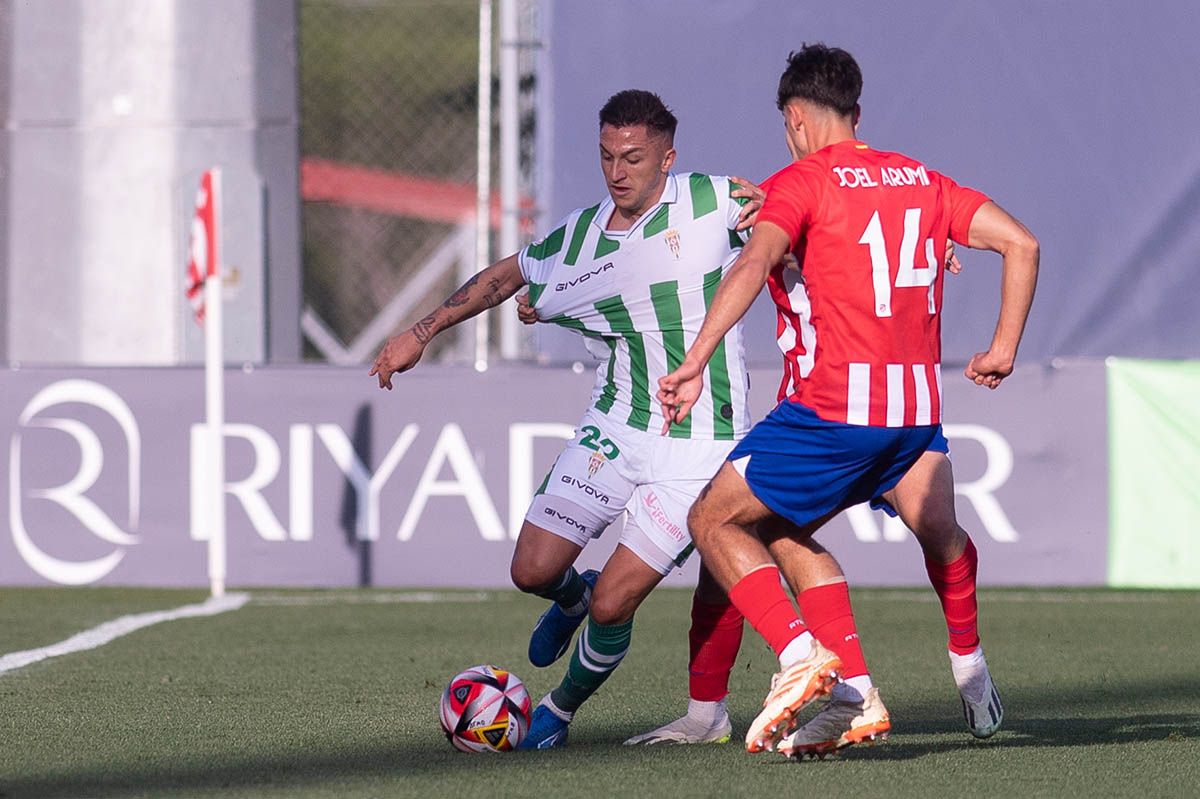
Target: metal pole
column 510, row 132
column 483, row 221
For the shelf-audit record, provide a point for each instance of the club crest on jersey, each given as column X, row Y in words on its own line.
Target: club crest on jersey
column 672, row 238
column 595, row 463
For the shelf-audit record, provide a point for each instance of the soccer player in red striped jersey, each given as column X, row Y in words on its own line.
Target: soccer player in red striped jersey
column 870, row 229
column 924, row 501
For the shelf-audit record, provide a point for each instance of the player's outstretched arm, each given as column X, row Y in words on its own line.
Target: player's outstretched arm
column 678, row 391
column 489, row 288
column 993, row 228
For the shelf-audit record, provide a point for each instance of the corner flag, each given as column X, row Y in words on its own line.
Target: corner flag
column 204, row 294
column 202, row 245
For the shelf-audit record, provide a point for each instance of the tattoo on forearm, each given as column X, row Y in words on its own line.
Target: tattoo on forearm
column 424, row 330
column 494, row 296
column 463, row 295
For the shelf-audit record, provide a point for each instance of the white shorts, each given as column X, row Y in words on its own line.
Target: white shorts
column 609, row 468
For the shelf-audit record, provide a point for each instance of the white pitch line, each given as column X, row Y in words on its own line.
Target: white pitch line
column 111, row 630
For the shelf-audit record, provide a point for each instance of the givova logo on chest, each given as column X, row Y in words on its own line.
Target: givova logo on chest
column 583, row 278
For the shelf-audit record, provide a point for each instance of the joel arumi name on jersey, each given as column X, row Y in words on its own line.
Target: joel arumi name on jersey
column 856, row 177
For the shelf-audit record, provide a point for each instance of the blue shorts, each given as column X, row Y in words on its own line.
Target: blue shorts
column 939, row 444
column 803, row 467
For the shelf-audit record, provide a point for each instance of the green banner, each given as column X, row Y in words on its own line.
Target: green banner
column 1154, row 462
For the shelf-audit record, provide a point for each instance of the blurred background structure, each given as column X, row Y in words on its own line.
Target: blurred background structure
column 389, row 159
column 376, row 153
column 111, row 111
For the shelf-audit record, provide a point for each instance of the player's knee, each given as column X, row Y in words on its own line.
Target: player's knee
column 937, row 531
column 612, row 607
column 531, row 575
column 701, row 525
column 697, row 519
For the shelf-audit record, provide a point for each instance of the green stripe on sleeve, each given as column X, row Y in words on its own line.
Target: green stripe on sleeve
column 739, row 200
column 547, row 246
column 667, row 310
column 579, row 234
column 736, row 242
column 704, row 195
column 658, row 223
column 613, row 309
column 718, row 371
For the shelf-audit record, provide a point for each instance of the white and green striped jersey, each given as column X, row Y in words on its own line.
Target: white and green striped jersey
column 639, row 297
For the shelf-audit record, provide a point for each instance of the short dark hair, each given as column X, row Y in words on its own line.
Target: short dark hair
column 638, row 107
column 827, row 76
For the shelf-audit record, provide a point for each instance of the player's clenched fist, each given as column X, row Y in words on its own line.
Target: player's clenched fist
column 987, row 369
column 400, row 354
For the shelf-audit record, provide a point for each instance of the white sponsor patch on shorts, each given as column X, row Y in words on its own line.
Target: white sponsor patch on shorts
column 659, row 516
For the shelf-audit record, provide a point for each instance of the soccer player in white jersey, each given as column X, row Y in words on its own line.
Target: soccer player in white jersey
column 634, row 274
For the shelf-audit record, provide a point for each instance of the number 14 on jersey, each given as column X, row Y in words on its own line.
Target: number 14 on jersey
column 909, row 275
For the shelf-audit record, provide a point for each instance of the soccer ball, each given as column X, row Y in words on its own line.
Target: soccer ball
column 485, row 709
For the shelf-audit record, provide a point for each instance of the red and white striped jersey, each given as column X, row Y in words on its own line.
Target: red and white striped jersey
column 859, row 322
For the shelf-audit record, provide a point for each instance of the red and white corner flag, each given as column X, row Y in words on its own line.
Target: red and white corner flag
column 202, row 246
column 204, row 293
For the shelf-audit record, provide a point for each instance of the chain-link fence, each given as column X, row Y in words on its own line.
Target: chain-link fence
column 388, row 94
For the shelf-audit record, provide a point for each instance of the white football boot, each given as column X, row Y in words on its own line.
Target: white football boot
column 980, row 699
column 839, row 723
column 691, row 729
column 792, row 689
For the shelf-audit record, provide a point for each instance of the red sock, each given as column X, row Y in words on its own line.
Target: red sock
column 826, row 609
column 761, row 599
column 714, row 638
column 954, row 583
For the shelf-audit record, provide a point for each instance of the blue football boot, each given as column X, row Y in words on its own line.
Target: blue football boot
column 546, row 729
column 552, row 633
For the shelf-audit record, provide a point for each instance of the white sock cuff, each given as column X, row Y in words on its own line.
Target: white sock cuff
column 706, row 712
column 854, row 689
column 799, row 648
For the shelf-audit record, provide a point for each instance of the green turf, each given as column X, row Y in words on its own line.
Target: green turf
column 336, row 698
column 33, row 617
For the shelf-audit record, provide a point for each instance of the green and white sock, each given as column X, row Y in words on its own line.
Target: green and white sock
column 597, row 654
column 571, row 593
